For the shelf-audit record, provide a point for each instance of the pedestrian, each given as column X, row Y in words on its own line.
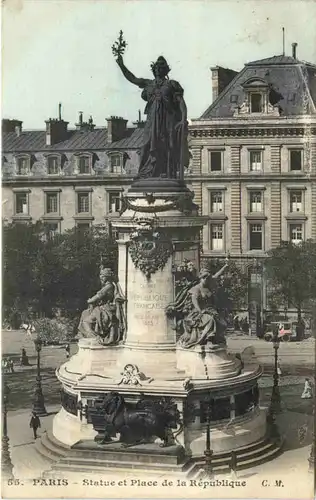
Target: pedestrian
column 308, row 390
column 35, row 423
column 24, row 358
column 67, row 349
column 5, row 365
column 11, row 365
column 236, row 323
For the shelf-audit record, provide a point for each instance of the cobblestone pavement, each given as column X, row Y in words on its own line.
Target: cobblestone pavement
column 292, row 358
column 295, row 419
column 278, row 473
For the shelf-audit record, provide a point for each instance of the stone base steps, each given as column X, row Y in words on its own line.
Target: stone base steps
column 50, row 448
column 247, row 457
column 62, row 459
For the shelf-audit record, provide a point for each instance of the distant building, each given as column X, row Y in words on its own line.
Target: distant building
column 252, row 168
column 65, row 177
column 254, row 164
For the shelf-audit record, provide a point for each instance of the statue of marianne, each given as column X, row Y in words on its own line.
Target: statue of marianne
column 165, row 148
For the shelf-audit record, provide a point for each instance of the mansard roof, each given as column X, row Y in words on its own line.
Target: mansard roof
column 77, row 140
column 293, row 81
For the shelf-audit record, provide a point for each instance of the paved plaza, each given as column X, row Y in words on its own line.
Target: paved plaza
column 295, row 420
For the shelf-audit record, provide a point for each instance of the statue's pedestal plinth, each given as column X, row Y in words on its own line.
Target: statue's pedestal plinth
column 92, row 357
column 158, row 229
column 207, row 363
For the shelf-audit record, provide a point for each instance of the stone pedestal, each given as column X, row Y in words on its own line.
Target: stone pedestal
column 210, row 363
column 158, row 227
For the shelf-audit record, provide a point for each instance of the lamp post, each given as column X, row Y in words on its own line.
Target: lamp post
column 275, row 403
column 6, row 464
column 275, row 396
column 208, row 453
column 38, row 401
column 311, row 458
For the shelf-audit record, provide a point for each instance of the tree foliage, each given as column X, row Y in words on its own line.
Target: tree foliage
column 42, row 274
column 231, row 294
column 291, row 270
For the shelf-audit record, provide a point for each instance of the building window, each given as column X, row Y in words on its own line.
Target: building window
column 217, row 240
column 296, row 233
column 22, row 166
column 255, row 161
column 21, row 203
column 82, row 227
column 255, row 237
column 256, row 103
column 216, row 201
column 83, row 203
column 84, row 165
column 52, row 165
column 296, row 201
column 296, row 159
column 51, row 203
column 255, row 201
column 114, row 201
column 51, row 229
column 116, row 163
column 216, row 161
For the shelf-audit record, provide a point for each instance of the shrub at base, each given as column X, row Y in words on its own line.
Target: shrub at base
column 55, row 331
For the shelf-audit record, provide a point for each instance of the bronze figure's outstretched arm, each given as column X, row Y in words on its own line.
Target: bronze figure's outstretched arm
column 220, row 272
column 140, row 82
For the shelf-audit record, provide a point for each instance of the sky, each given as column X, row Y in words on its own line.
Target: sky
column 60, row 50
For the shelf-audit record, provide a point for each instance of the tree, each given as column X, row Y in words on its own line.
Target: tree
column 21, row 247
column 80, row 255
column 41, row 274
column 232, row 288
column 291, row 270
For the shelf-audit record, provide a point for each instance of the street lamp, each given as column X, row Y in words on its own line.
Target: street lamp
column 311, row 458
column 208, row 453
column 38, row 401
column 275, row 396
column 6, row 464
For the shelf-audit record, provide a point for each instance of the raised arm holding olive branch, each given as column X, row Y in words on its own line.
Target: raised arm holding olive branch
column 164, row 150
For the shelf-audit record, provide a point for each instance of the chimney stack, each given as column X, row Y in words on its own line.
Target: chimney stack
column 56, row 131
column 116, row 128
column 294, row 45
column 139, row 123
column 12, row 126
column 81, row 125
column 221, row 77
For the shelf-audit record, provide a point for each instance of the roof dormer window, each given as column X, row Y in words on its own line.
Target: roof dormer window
column 84, row 163
column 256, row 102
column 52, row 165
column 117, row 161
column 23, row 164
column 257, row 99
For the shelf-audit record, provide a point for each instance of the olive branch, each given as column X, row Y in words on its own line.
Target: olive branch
column 118, row 47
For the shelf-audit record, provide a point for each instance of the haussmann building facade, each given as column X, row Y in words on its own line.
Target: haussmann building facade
column 252, row 167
